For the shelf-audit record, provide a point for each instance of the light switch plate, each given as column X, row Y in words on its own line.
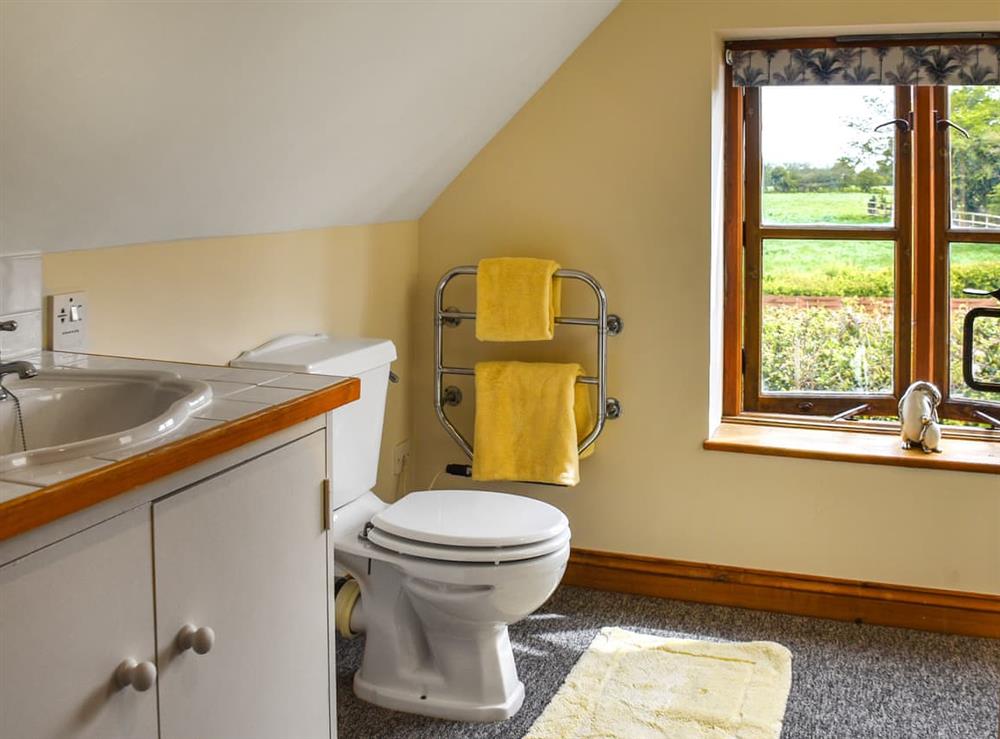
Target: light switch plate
column 67, row 322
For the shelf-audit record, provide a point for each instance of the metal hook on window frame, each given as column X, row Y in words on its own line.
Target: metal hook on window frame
column 850, row 413
column 944, row 124
column 903, row 124
column 993, row 422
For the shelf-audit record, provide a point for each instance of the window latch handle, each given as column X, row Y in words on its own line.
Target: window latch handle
column 982, row 293
column 944, row 123
column 902, row 124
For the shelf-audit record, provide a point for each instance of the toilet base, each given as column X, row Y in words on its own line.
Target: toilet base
column 434, row 648
column 438, row 707
column 421, row 658
column 436, row 638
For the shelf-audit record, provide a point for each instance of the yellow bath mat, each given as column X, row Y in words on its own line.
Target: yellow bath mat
column 517, row 299
column 640, row 686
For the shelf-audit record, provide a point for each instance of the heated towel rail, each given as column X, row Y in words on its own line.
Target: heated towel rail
column 607, row 324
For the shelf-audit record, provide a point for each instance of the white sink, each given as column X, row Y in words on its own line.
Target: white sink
column 70, row 413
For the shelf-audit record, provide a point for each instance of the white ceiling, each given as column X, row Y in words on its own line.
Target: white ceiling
column 124, row 122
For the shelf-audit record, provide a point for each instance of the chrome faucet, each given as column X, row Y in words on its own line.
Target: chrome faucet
column 23, row 370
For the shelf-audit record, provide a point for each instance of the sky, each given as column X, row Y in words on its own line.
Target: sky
column 807, row 124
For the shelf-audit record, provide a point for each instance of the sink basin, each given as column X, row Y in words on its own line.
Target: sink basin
column 71, row 413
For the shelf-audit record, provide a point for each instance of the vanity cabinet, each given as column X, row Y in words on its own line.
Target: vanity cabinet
column 69, row 615
column 240, row 556
column 244, row 555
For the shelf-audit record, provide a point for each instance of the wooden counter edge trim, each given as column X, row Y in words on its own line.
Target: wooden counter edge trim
column 76, row 493
column 837, row 452
column 928, row 609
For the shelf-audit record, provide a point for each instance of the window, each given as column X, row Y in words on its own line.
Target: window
column 857, row 215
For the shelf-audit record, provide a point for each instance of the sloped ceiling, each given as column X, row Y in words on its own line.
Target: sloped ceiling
column 125, row 122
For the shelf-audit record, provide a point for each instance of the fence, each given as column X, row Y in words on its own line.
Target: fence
column 967, row 219
column 960, row 218
column 879, row 206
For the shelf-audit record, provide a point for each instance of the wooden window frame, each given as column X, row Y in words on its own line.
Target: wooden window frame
column 944, row 235
column 922, row 232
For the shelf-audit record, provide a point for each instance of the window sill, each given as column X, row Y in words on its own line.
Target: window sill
column 966, row 455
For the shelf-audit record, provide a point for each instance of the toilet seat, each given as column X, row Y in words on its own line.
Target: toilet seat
column 471, row 519
column 445, row 553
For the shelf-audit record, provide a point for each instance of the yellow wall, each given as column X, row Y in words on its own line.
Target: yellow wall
column 613, row 167
column 205, row 300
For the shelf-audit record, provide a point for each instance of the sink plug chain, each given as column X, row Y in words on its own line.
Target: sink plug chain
column 6, row 392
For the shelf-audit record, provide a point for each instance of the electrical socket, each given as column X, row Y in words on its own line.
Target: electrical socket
column 66, row 328
column 399, row 456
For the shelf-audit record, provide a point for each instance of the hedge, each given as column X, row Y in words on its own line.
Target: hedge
column 838, row 350
column 849, row 281
column 850, row 349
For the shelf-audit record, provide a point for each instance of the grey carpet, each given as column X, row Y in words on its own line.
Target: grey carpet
column 849, row 681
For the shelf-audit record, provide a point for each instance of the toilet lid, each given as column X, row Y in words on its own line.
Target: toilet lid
column 467, row 554
column 471, row 518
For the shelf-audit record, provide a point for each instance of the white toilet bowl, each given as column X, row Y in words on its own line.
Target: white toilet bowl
column 436, row 613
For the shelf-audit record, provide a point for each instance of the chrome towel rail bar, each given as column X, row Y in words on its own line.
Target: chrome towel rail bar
column 607, row 324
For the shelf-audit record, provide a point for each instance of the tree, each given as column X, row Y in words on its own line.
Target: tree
column 868, row 180
column 871, row 149
column 844, row 174
column 777, row 179
column 993, row 201
column 976, row 160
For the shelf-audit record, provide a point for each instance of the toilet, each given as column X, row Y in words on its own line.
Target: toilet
column 438, row 576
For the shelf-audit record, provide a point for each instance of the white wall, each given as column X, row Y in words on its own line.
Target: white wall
column 127, row 122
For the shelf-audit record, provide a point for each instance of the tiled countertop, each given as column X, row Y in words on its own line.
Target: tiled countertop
column 236, row 395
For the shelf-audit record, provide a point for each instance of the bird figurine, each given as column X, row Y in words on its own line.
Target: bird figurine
column 918, row 417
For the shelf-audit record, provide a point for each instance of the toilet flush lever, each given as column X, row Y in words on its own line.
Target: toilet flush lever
column 393, row 377
column 364, row 532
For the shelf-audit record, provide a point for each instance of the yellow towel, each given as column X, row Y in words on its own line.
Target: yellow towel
column 517, row 299
column 530, row 417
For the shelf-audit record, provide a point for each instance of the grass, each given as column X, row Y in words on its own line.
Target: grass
column 862, row 268
column 821, row 207
column 850, row 268
column 820, row 256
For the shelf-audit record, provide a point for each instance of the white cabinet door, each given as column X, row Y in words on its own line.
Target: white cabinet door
column 244, row 554
column 69, row 614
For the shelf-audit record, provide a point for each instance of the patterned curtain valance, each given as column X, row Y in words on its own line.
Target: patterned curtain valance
column 970, row 64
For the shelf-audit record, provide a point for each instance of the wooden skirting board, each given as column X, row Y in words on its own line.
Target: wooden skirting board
column 948, row 611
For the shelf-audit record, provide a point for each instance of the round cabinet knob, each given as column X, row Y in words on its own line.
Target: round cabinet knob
column 201, row 640
column 140, row 675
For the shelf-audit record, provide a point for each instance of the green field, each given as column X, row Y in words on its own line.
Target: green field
column 850, row 268
column 842, row 208
column 862, row 268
